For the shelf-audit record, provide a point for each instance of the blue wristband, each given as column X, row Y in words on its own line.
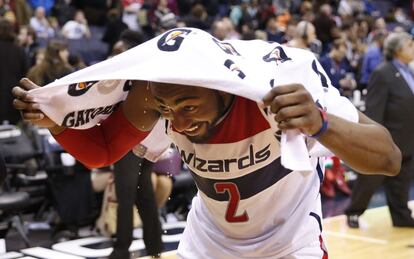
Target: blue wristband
column 324, row 127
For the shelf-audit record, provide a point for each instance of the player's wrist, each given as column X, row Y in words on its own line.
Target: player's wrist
column 324, row 126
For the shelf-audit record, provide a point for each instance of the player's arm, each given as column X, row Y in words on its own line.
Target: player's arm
column 100, row 145
column 365, row 146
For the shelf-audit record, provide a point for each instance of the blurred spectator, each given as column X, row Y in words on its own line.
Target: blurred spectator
column 305, row 38
column 160, row 11
column 6, row 12
column 326, row 28
column 379, row 26
column 364, row 27
column 272, row 29
column 290, row 32
column 77, row 28
column 127, row 40
column 390, row 102
column 96, row 11
column 13, row 66
column 54, row 65
column 338, row 68
column 130, row 12
column 242, row 14
column 355, row 47
column 231, row 33
column 39, row 55
column 132, row 187
column 113, row 29
column 63, row 11
column 283, row 20
column 41, row 25
column 28, row 40
column 372, row 57
column 163, row 172
column 218, row 30
column 349, row 8
column 198, row 18
column 306, row 11
column 23, row 12
column 47, row 5
column 167, row 22
column 76, row 62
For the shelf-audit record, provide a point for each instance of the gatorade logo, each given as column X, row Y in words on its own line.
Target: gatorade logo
column 79, row 89
column 171, row 40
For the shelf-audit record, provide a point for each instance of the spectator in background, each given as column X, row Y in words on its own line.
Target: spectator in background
column 64, row 11
column 198, row 18
column 28, row 40
column 326, row 28
column 113, row 29
column 305, row 38
column 390, row 102
column 76, row 61
column 13, row 65
column 41, row 25
column 6, row 12
column 306, row 11
column 54, row 64
column 218, row 30
column 130, row 12
column 379, row 26
column 160, row 11
column 132, row 172
column 231, row 34
column 23, row 12
column 163, row 171
column 372, row 57
column 338, row 68
column 272, row 30
column 77, row 28
column 242, row 14
column 47, row 5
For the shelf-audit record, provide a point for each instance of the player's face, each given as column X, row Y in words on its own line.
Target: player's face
column 193, row 111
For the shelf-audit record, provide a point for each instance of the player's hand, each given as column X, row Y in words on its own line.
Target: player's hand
column 29, row 109
column 294, row 108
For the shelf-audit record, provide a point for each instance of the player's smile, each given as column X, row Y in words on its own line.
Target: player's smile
column 192, row 111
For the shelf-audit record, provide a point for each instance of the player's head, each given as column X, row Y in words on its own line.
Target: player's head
column 193, row 111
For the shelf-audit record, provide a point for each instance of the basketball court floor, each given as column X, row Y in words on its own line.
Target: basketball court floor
column 376, row 238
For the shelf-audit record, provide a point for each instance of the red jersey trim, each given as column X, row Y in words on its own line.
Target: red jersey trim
column 244, row 120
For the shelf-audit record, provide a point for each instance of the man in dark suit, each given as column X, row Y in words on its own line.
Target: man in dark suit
column 390, row 102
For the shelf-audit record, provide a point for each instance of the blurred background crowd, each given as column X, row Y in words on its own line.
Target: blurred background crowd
column 47, row 39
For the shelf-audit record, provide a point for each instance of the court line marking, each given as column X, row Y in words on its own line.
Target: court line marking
column 355, row 237
column 410, row 204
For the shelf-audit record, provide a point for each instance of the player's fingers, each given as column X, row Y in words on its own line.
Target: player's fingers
column 21, row 94
column 290, row 112
column 279, row 90
column 285, row 100
column 32, row 116
column 293, row 123
column 21, row 105
column 27, row 84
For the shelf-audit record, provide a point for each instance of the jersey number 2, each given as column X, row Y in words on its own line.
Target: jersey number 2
column 234, row 198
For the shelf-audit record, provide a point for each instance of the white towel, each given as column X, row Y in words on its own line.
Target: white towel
column 192, row 57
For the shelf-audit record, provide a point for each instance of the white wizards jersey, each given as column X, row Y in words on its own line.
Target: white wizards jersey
column 248, row 205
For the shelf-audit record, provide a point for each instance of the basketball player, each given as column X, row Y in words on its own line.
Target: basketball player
column 248, row 204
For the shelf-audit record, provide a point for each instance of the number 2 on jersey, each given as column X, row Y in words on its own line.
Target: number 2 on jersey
column 234, row 198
